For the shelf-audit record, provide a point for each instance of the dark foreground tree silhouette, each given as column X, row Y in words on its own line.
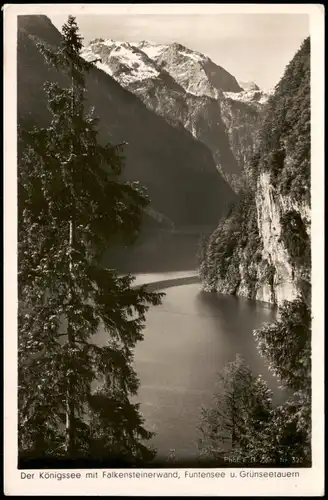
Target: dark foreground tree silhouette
column 241, row 408
column 286, row 344
column 73, row 394
column 243, row 427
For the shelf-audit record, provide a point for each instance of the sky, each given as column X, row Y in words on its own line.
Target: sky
column 252, row 47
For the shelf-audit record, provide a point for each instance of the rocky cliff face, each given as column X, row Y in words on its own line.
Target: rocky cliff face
column 262, row 250
column 272, row 207
column 241, row 122
column 189, row 90
column 196, row 73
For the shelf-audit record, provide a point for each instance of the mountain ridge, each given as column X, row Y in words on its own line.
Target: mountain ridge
column 158, row 56
column 188, row 89
column 159, row 156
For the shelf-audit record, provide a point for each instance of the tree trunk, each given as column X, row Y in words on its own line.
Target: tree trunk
column 70, row 410
column 70, row 407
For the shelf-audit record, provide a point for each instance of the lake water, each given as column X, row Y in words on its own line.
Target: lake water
column 187, row 341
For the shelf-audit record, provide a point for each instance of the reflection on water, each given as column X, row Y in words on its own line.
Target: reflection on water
column 188, row 340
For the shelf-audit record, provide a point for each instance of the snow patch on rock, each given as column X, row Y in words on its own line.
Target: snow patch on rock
column 248, row 86
column 130, row 62
column 121, row 60
column 152, row 50
column 248, row 96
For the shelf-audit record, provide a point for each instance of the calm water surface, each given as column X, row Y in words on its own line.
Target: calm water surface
column 187, row 341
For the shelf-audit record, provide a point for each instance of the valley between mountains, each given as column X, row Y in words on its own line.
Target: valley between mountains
column 188, row 126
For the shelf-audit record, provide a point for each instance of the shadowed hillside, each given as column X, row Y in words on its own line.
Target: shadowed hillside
column 178, row 171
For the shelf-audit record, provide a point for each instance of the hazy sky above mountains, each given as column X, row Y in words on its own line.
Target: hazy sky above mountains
column 253, row 47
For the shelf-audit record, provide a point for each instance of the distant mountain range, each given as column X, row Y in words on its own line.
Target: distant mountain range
column 187, row 88
column 191, row 127
column 131, row 62
column 178, row 171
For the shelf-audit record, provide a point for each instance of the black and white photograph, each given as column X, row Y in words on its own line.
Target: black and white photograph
column 165, row 258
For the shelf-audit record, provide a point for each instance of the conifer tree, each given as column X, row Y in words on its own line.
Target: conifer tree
column 74, row 395
column 240, row 411
column 286, row 344
column 243, row 427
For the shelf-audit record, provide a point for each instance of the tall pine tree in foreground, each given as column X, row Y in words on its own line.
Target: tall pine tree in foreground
column 74, row 396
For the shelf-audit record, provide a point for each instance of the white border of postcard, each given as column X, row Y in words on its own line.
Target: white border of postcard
column 309, row 482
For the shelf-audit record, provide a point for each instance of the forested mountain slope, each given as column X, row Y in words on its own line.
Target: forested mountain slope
column 179, row 173
column 261, row 250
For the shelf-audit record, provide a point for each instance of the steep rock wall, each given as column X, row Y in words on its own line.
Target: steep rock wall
column 262, row 249
column 271, row 207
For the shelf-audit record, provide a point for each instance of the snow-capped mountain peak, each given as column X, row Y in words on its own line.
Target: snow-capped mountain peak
column 197, row 74
column 122, row 60
column 248, row 86
column 152, row 50
column 133, row 62
column 193, row 54
column 188, row 89
column 129, row 62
